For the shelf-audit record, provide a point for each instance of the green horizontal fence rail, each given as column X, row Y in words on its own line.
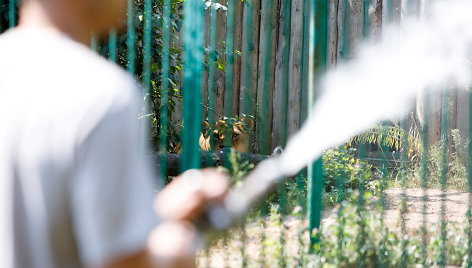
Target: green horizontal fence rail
column 194, row 58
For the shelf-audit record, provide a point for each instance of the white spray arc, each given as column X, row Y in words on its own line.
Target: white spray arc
column 381, row 83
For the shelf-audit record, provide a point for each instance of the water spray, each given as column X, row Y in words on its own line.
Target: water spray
column 381, row 83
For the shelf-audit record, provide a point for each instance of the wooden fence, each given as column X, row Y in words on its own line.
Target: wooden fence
column 288, row 58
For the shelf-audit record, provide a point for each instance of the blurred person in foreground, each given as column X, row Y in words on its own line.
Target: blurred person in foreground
column 75, row 189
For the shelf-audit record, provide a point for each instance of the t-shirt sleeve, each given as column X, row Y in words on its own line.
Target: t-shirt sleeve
column 112, row 191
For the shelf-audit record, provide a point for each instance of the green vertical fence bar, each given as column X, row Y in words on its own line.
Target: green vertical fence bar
column 147, row 29
column 345, row 34
column 389, row 10
column 131, row 39
column 112, row 45
column 304, row 61
column 248, row 49
column 340, row 227
column 340, row 177
column 146, row 75
column 164, row 91
column 424, row 180
column 281, row 192
column 228, row 99
column 283, row 104
column 211, row 100
column 229, row 66
column 192, row 95
column 264, row 109
column 2, row 7
column 360, row 208
column 317, row 65
column 228, row 93
column 413, row 7
column 403, row 205
column 11, row 13
column 211, row 93
column 301, row 201
column 366, row 24
column 383, row 200
column 301, row 185
column 285, row 72
column 469, row 180
column 246, row 86
column 443, row 175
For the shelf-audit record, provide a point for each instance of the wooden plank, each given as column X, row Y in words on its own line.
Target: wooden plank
column 204, row 86
column 238, row 31
column 176, row 117
column 270, row 96
column 293, row 112
column 375, row 19
column 220, row 75
column 254, row 50
column 283, row 46
column 255, row 58
column 332, row 33
column 453, row 108
column 268, row 92
column 434, row 118
column 356, row 25
column 413, row 8
column 340, row 29
column 249, row 69
column 395, row 9
column 305, row 61
column 462, row 119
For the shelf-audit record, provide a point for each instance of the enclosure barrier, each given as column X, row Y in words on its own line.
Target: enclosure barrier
column 396, row 196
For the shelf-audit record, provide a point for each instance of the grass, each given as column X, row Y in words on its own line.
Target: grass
column 339, row 245
column 353, row 236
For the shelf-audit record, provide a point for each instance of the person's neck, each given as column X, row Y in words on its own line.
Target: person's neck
column 36, row 15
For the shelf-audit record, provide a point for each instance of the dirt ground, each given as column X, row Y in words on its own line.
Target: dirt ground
column 455, row 204
column 229, row 255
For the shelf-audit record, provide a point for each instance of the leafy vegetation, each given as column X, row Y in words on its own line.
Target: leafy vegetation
column 344, row 173
column 176, row 65
column 456, row 165
column 382, row 245
column 175, row 60
column 357, row 235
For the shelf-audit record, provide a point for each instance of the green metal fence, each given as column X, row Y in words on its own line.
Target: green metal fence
column 225, row 61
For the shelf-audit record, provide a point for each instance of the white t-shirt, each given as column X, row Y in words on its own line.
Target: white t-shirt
column 75, row 189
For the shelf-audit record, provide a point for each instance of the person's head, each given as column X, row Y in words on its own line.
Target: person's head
column 97, row 16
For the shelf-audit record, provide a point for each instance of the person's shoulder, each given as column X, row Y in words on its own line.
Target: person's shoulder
column 94, row 74
column 63, row 71
column 94, row 68
column 53, row 53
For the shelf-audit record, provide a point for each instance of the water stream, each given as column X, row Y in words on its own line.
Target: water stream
column 379, row 84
